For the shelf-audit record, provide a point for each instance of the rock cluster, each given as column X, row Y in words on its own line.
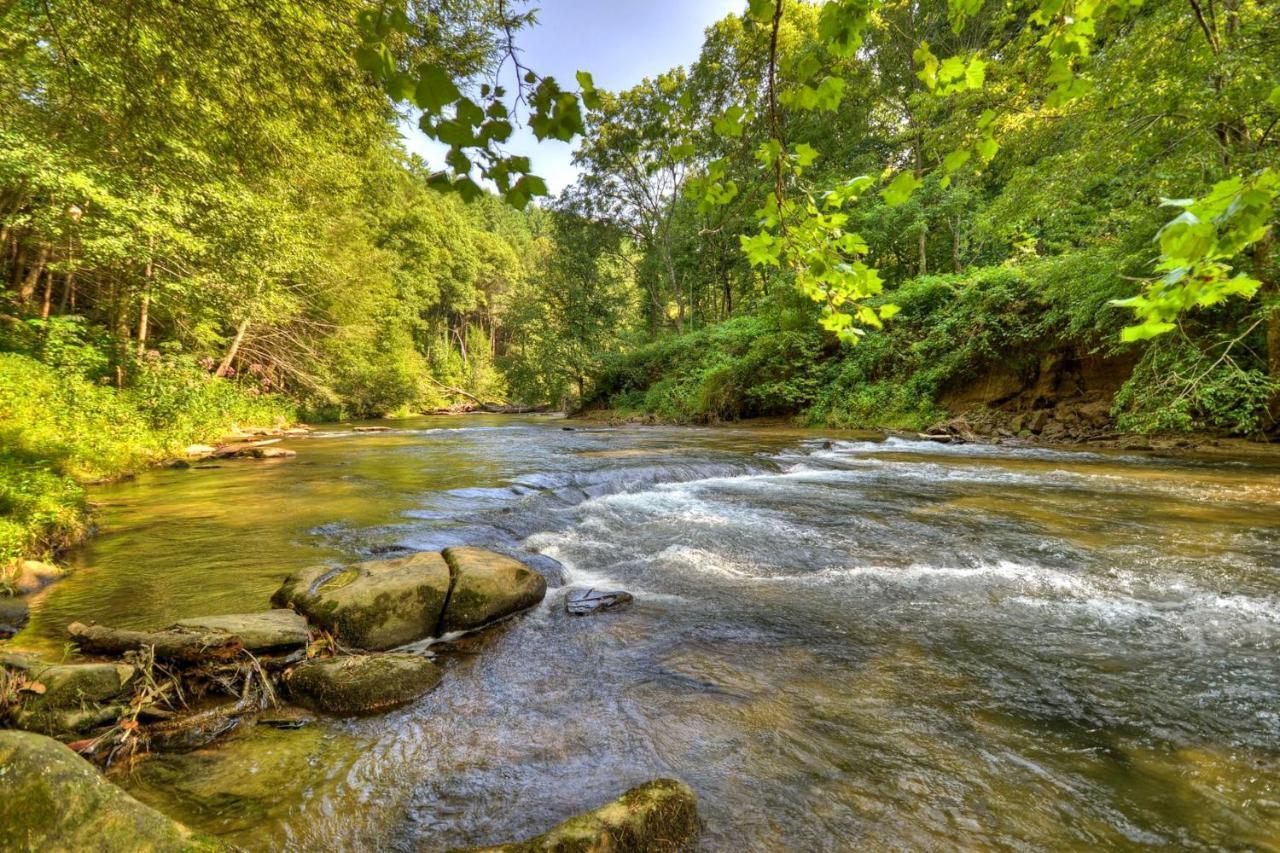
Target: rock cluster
column 382, row 604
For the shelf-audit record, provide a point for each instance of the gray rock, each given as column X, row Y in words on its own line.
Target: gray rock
column 270, row 630
column 362, row 684
column 581, row 602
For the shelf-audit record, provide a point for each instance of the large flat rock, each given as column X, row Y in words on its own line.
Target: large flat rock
column 375, row 605
column 488, row 587
column 52, row 799
column 270, row 630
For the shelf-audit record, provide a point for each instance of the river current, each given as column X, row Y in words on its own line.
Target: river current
column 839, row 641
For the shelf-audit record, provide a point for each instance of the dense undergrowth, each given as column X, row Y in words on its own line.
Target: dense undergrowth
column 64, row 423
column 950, row 329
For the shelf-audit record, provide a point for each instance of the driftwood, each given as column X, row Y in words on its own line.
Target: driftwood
column 172, row 644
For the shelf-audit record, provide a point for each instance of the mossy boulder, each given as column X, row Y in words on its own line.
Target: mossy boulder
column 375, row 605
column 487, row 587
column 52, row 799
column 68, row 699
column 266, row 631
column 657, row 816
column 362, row 684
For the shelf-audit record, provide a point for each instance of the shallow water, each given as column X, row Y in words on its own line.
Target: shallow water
column 867, row 645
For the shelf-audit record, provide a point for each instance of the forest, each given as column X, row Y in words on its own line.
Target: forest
column 856, row 429
column 840, row 213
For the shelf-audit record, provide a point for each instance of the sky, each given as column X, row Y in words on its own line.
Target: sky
column 619, row 41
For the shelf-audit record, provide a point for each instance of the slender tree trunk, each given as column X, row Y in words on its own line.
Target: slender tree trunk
column 1270, row 296
column 47, row 303
column 956, row 265
column 68, row 291
column 27, row 290
column 233, row 349
column 19, row 262
column 144, row 310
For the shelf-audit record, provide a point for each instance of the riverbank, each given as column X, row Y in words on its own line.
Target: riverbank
column 60, row 432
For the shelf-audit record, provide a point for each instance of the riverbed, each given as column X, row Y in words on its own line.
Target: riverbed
column 839, row 641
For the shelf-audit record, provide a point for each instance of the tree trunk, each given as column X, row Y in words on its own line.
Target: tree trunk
column 956, row 265
column 27, row 290
column 68, row 292
column 233, row 349
column 1270, row 296
column 47, row 303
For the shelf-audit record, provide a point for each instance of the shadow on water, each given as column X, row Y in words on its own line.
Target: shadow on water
column 838, row 644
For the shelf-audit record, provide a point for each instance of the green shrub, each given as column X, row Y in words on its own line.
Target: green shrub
column 1177, row 386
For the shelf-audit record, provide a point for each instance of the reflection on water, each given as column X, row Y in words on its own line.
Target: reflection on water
column 844, row 644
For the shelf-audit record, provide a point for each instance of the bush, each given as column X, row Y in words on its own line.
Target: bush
column 1178, row 387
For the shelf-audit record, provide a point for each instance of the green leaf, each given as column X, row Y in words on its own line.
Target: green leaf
column 590, row 97
column 1274, row 98
column 900, row 189
column 435, row 89
column 889, row 311
column 805, row 154
column 955, row 160
column 760, row 10
column 1145, row 331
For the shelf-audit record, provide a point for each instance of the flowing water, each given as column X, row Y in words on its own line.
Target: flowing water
column 845, row 644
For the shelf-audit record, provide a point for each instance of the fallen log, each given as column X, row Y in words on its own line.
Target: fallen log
column 178, row 645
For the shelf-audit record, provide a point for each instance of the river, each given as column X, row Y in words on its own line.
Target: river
column 839, row 641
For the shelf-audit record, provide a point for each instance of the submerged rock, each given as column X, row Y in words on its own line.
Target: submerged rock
column 375, row 605
column 52, row 799
column 487, row 587
column 371, row 429
column 33, row 576
column 656, row 816
column 362, row 684
column 253, row 777
column 581, row 602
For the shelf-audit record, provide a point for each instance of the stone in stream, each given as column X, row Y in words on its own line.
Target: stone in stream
column 52, row 799
column 254, row 777
column 581, row 602
column 67, row 699
column 362, row 684
column 371, row 429
column 33, row 576
column 382, row 604
column 661, row 815
column 375, row 605
column 487, row 587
